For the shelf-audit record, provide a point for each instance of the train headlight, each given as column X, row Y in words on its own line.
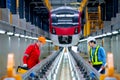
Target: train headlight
column 53, row 31
column 76, row 30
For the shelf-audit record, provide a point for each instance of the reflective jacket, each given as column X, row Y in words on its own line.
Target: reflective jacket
column 31, row 55
column 98, row 56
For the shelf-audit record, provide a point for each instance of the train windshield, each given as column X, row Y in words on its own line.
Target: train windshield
column 65, row 20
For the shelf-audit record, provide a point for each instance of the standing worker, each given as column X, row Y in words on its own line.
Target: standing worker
column 97, row 55
column 32, row 53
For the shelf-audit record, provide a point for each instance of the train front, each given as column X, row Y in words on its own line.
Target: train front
column 65, row 26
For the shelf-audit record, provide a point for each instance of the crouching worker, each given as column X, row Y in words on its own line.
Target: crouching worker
column 32, row 53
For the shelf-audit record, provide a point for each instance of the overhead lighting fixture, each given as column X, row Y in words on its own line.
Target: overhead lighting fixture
column 34, row 38
column 48, row 41
column 108, row 33
column 17, row 35
column 22, row 36
column 29, row 37
column 83, row 40
column 98, row 36
column 26, row 36
column 115, row 32
column 10, row 33
column 2, row 32
column 103, row 35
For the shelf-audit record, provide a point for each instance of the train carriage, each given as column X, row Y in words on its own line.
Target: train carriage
column 65, row 26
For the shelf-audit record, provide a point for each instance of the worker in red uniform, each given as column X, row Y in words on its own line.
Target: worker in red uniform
column 32, row 53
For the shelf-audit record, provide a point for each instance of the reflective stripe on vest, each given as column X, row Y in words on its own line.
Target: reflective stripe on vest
column 94, row 57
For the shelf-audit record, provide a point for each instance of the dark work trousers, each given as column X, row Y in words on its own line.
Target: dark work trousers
column 97, row 67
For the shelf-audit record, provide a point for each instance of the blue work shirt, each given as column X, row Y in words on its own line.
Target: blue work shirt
column 101, row 54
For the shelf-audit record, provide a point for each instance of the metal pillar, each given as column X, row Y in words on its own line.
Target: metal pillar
column 45, row 25
column 8, row 3
column 34, row 18
column 115, row 7
column 114, row 50
column 21, row 9
column 118, row 6
column 107, row 44
column 31, row 14
column 118, row 54
column 2, row 3
column 39, row 22
column 99, row 42
column 27, row 13
column 13, row 7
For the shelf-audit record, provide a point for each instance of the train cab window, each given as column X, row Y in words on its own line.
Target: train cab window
column 75, row 19
column 54, row 20
column 65, row 20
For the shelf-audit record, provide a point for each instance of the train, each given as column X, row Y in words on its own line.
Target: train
column 65, row 26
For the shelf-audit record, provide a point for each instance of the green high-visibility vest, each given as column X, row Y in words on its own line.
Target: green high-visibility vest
column 94, row 57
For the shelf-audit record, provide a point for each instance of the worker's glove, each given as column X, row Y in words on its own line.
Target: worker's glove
column 89, row 61
column 102, row 67
column 24, row 65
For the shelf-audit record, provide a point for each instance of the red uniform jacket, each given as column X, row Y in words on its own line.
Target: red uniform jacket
column 31, row 55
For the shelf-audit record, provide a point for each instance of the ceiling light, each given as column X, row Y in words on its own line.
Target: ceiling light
column 98, row 36
column 103, row 35
column 48, row 41
column 26, row 36
column 22, row 36
column 115, row 32
column 9, row 33
column 2, row 32
column 108, row 33
column 29, row 37
column 17, row 35
column 34, row 38
column 83, row 40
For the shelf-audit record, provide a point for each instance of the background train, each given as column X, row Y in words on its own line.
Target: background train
column 65, row 26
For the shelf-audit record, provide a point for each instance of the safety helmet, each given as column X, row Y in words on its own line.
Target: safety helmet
column 91, row 39
column 42, row 39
